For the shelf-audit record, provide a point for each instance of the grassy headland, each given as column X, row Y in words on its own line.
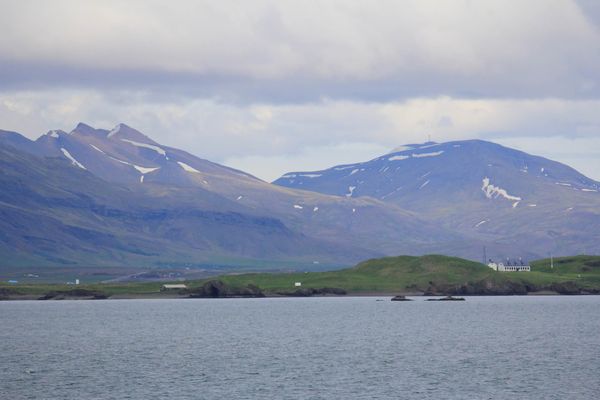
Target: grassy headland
column 431, row 274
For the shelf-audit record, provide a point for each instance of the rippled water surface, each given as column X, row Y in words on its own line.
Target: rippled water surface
column 313, row 348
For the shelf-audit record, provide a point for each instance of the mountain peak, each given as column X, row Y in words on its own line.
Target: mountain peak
column 116, row 129
column 55, row 133
column 83, row 128
column 125, row 132
column 14, row 139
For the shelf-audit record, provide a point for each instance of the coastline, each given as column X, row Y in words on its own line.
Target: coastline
column 176, row 296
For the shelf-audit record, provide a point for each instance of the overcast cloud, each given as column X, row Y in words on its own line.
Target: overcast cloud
column 273, row 86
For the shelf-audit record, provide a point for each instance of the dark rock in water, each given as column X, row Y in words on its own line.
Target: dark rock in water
column 400, row 298
column 218, row 289
column 307, row 292
column 74, row 294
column 448, row 298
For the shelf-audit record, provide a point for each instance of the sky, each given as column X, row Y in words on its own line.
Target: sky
column 276, row 86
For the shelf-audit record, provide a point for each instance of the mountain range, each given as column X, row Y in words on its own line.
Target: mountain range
column 486, row 192
column 108, row 198
column 95, row 197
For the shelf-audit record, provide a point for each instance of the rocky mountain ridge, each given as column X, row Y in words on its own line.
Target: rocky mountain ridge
column 112, row 197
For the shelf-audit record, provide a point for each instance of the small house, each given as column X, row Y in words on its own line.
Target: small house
column 172, row 286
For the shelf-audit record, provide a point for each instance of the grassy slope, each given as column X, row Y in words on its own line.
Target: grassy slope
column 380, row 275
column 583, row 268
column 390, row 274
column 404, row 273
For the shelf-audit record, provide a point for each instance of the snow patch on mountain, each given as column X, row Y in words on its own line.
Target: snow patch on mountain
column 350, row 191
column 492, row 191
column 187, row 167
column 391, row 193
column 345, row 167
column 140, row 169
column 121, row 161
column 298, row 207
column 97, row 149
column 53, row 134
column 310, row 175
column 144, row 170
column 114, row 131
column 398, row 158
column 429, row 145
column 147, row 146
column 354, row 171
column 401, row 157
column 434, row 154
column 423, row 185
column 71, row 158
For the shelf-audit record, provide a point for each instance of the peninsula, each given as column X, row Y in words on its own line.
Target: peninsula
column 430, row 275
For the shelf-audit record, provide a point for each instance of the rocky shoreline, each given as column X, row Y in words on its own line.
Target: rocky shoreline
column 218, row 289
column 488, row 287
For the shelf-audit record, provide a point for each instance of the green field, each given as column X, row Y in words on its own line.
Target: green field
column 414, row 274
column 403, row 274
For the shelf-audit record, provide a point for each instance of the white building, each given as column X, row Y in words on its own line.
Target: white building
column 175, row 286
column 514, row 267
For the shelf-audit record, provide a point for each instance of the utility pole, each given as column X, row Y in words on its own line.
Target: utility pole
column 551, row 261
column 484, row 256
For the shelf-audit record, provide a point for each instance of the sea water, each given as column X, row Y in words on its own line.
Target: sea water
column 302, row 348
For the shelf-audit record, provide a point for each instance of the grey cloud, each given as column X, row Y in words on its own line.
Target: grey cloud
column 260, row 83
column 222, row 131
column 288, row 51
column 244, row 90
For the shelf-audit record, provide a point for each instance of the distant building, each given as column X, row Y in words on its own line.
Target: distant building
column 174, row 286
column 515, row 266
column 298, row 284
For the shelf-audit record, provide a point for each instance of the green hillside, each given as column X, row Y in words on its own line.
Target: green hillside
column 435, row 274
column 387, row 274
column 430, row 274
